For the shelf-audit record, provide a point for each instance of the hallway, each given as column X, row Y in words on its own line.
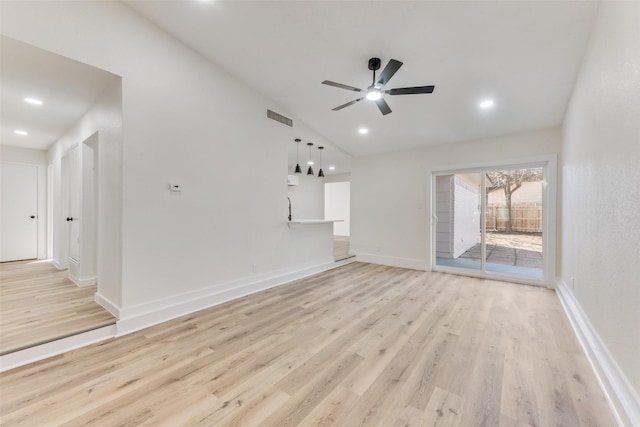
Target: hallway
column 40, row 304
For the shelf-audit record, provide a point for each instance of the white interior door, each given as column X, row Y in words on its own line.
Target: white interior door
column 73, row 217
column 19, row 213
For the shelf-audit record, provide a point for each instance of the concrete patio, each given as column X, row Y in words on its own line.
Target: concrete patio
column 506, row 256
column 516, row 253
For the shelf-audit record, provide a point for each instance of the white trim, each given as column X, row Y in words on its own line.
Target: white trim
column 523, row 162
column 57, row 265
column 412, row 263
column 491, row 275
column 106, row 303
column 83, row 282
column 622, row 398
column 53, row 348
column 151, row 313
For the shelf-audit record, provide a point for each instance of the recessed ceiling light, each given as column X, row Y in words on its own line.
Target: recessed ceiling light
column 332, row 168
column 20, row 132
column 487, row 103
column 33, row 101
column 363, row 131
column 310, row 162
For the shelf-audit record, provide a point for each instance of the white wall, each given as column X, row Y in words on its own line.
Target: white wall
column 601, row 185
column 38, row 158
column 307, row 198
column 390, row 193
column 185, row 121
column 338, row 177
column 337, row 205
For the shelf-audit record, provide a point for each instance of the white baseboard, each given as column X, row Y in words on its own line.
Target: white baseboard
column 623, row 399
column 53, row 348
column 413, row 263
column 57, row 265
column 148, row 314
column 90, row 281
column 106, row 303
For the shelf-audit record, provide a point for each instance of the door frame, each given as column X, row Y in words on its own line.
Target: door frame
column 549, row 194
column 63, row 211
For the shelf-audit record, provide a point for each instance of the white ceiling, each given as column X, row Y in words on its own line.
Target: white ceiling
column 67, row 88
column 525, row 55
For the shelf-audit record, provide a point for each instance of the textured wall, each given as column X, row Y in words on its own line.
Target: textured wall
column 601, row 184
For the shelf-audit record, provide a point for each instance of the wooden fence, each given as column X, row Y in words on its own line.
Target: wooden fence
column 527, row 219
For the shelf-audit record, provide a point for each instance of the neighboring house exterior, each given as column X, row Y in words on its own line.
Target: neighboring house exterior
column 530, row 194
column 458, row 203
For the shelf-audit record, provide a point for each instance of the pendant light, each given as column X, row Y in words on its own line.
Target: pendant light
column 298, row 169
column 320, row 173
column 310, row 170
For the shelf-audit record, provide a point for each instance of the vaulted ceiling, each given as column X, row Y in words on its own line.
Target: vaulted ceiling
column 523, row 55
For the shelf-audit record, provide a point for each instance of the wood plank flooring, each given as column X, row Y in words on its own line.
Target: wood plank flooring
column 38, row 304
column 360, row 345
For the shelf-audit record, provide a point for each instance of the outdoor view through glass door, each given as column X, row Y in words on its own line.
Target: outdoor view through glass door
column 490, row 221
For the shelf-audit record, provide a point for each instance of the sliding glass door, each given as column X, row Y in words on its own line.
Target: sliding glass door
column 489, row 222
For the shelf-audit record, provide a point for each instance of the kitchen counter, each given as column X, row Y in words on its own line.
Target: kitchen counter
column 302, row 222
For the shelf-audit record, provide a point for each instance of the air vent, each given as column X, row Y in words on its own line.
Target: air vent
column 279, row 118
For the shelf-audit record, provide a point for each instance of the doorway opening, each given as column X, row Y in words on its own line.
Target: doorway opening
column 54, row 297
column 337, row 205
column 493, row 222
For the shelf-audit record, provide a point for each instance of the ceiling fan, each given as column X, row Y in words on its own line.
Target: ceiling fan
column 375, row 91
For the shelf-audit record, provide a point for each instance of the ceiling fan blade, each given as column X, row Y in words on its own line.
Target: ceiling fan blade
column 383, row 106
column 340, row 107
column 340, row 85
column 410, row 90
column 387, row 73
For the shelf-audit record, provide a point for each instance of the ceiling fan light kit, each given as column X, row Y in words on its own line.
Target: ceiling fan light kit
column 374, row 95
column 374, row 92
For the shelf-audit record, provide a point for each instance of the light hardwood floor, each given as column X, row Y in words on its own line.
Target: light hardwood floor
column 357, row 345
column 38, row 304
